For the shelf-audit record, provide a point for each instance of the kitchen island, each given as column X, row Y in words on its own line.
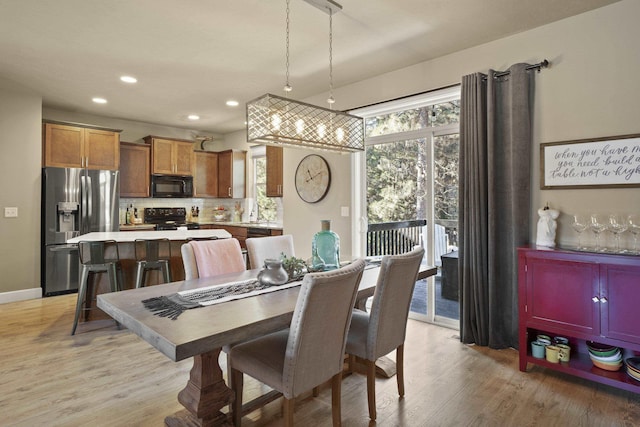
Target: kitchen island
column 126, row 250
column 132, row 236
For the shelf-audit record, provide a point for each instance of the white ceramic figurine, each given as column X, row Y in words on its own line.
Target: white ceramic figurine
column 547, row 227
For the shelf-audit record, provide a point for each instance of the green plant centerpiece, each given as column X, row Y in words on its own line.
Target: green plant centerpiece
column 295, row 267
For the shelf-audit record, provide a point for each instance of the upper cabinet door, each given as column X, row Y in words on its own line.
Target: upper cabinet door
column 274, row 171
column 69, row 146
column 135, row 170
column 184, row 158
column 171, row 157
column 162, row 156
column 63, row 146
column 101, row 149
column 205, row 178
column 231, row 174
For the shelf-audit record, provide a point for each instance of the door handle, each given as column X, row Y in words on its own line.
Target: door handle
column 89, row 199
column 595, row 299
column 83, row 205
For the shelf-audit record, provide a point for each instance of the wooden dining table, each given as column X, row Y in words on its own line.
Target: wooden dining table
column 201, row 333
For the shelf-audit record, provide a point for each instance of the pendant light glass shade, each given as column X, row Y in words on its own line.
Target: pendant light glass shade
column 275, row 120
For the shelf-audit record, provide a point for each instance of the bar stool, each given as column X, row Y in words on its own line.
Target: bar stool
column 94, row 259
column 152, row 254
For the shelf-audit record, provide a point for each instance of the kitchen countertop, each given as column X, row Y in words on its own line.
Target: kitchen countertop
column 130, row 227
column 268, row 225
column 131, row 236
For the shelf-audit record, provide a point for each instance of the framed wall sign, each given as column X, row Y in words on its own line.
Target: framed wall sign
column 591, row 163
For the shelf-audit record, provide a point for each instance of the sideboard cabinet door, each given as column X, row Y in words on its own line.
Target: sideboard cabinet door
column 559, row 295
column 620, row 302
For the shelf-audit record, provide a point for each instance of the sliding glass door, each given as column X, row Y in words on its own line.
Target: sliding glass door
column 409, row 175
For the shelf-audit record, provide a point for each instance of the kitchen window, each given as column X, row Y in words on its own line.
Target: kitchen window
column 264, row 208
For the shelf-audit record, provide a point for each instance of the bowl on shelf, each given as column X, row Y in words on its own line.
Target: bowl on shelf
column 616, row 357
column 633, row 373
column 633, row 363
column 607, row 366
column 602, row 350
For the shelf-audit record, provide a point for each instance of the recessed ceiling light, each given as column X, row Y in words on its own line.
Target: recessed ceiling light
column 99, row 100
column 129, row 79
column 193, row 117
column 232, row 103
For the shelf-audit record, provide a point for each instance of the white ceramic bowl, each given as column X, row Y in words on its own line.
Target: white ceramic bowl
column 617, row 357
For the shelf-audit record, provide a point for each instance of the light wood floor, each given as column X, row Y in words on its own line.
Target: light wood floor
column 106, row 377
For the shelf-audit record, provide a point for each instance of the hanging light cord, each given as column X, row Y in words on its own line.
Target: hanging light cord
column 331, row 100
column 287, row 86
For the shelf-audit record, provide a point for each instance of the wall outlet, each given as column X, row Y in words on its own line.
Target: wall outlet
column 344, row 210
column 10, row 212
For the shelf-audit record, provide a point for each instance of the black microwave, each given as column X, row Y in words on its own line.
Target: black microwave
column 171, row 186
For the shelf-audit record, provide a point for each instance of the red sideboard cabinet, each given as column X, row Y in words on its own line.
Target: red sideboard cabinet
column 584, row 297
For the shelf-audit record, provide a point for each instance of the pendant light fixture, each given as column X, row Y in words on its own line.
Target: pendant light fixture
column 278, row 120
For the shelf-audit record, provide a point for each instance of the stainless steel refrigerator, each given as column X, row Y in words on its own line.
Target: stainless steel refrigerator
column 74, row 202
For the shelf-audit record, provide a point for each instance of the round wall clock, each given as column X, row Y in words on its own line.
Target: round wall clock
column 313, row 178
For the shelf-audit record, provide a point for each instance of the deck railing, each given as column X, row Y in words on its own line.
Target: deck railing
column 393, row 238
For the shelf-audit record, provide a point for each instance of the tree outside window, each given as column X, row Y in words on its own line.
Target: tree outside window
column 267, row 209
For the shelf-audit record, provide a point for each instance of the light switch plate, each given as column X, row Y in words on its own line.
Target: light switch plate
column 344, row 211
column 10, row 212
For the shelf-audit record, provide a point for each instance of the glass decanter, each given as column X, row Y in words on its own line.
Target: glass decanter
column 325, row 248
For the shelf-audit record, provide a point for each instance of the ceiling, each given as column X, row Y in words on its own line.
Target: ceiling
column 191, row 56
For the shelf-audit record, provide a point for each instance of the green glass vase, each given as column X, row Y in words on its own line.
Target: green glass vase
column 325, row 248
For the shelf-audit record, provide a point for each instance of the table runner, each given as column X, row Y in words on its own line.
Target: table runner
column 174, row 305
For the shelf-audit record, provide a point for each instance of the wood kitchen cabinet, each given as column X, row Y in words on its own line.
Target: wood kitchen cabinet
column 206, row 174
column 231, row 174
column 135, row 169
column 70, row 145
column 274, row 171
column 171, row 156
column 584, row 297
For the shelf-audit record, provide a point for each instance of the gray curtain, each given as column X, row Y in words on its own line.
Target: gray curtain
column 495, row 157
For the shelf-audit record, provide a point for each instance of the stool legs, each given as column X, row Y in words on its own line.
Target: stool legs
column 85, row 295
column 82, row 290
column 144, row 266
column 140, row 275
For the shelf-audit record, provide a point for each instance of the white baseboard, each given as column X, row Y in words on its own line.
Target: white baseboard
column 20, row 295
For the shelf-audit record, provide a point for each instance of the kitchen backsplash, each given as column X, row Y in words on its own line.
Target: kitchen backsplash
column 206, row 207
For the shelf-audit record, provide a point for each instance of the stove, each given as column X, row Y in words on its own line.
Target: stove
column 168, row 218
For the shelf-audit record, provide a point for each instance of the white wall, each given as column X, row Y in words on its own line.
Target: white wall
column 20, row 154
column 591, row 90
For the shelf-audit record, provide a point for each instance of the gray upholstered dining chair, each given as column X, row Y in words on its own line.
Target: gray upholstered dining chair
column 311, row 351
column 377, row 333
column 261, row 248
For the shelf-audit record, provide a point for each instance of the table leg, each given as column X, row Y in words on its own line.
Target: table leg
column 205, row 394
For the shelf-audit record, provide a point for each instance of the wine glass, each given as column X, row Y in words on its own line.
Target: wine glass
column 618, row 224
column 580, row 224
column 598, row 225
column 634, row 228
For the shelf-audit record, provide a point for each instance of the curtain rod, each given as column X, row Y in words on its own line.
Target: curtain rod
column 539, row 66
column 403, row 97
